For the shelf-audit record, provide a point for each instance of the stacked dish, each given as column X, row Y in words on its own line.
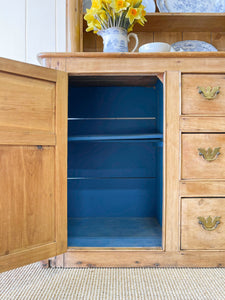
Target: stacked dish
column 188, row 6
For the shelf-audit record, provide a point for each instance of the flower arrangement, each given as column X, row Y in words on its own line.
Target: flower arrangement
column 115, row 13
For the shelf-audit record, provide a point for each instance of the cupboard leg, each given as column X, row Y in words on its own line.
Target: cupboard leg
column 45, row 263
column 56, row 262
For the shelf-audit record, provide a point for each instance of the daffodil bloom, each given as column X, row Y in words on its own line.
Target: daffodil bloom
column 119, row 5
column 89, row 17
column 95, row 26
column 135, row 3
column 142, row 20
column 96, row 4
column 92, row 21
column 133, row 14
column 114, row 13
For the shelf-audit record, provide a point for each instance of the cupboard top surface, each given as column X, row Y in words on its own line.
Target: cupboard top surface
column 80, row 63
column 131, row 54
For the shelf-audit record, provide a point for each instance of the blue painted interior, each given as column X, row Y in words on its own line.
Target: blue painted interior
column 115, row 166
column 114, row 232
column 117, row 197
column 112, row 102
column 112, row 159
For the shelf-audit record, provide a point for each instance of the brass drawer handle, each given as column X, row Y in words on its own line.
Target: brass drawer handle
column 209, row 92
column 209, row 154
column 209, row 224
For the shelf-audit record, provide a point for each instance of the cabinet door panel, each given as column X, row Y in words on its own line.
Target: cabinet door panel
column 28, row 214
column 26, row 102
column 33, row 147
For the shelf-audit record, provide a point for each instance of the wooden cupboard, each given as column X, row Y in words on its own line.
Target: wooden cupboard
column 141, row 191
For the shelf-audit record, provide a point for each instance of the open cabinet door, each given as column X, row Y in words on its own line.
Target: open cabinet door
column 33, row 163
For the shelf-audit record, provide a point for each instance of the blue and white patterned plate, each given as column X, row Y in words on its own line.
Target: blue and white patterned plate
column 149, row 5
column 198, row 6
column 193, row 46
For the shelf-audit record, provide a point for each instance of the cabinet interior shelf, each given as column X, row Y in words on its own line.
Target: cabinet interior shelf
column 153, row 136
column 114, row 232
column 181, row 22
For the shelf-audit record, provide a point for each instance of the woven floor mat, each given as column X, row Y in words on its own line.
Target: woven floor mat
column 33, row 282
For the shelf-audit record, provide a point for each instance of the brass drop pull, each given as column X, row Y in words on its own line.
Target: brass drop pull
column 209, row 92
column 209, row 154
column 209, row 224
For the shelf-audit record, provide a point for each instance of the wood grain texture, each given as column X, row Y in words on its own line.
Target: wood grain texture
column 23, row 136
column 26, row 103
column 26, row 256
column 172, row 165
column 195, row 103
column 202, row 124
column 138, row 63
column 134, row 55
column 33, row 210
column 15, row 67
column 195, row 166
column 201, row 36
column 167, row 37
column 202, row 188
column 61, row 161
column 27, row 212
column 144, row 38
column 73, row 15
column 218, row 40
column 183, row 22
column 193, row 235
column 126, row 258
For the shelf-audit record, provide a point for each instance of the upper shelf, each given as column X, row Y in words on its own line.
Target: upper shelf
column 189, row 22
column 181, row 22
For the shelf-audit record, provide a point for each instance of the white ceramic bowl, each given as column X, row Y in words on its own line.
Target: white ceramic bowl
column 156, row 47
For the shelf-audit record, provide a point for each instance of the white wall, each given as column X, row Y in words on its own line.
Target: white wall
column 28, row 27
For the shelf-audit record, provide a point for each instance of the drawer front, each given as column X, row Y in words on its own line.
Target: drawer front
column 196, row 99
column 202, row 224
column 203, row 156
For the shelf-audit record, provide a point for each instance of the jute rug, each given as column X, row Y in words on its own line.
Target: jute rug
column 33, row 282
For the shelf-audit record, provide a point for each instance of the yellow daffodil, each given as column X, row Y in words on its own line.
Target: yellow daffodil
column 89, row 17
column 135, row 3
column 103, row 15
column 142, row 20
column 119, row 5
column 133, row 14
column 115, row 13
column 130, row 28
column 96, row 4
column 92, row 21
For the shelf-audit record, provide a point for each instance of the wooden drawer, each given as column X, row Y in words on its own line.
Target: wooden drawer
column 196, row 163
column 195, row 103
column 198, row 231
